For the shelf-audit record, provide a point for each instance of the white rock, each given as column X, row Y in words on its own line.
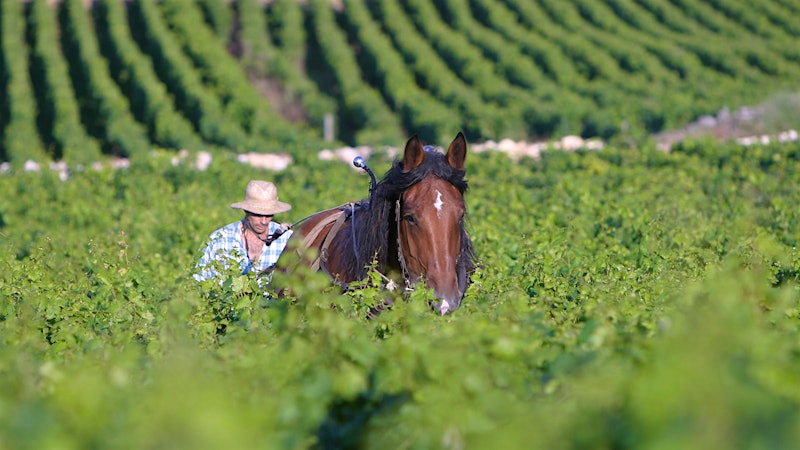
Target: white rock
column 203, row 161
column 571, row 143
column 269, row 161
column 31, row 166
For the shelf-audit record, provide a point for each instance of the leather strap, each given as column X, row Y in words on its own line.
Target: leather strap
column 323, row 251
column 338, row 218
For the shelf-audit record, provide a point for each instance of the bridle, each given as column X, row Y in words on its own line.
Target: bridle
column 400, row 257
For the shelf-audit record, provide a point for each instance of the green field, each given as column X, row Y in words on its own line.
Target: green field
column 626, row 298
column 122, row 78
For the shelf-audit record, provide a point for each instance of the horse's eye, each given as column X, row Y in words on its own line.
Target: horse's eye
column 410, row 218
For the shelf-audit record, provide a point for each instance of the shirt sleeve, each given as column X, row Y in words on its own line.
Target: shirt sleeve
column 204, row 269
column 215, row 254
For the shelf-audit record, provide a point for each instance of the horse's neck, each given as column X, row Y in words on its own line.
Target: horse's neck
column 363, row 238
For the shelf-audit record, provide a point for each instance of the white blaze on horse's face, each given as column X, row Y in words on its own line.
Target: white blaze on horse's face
column 431, row 238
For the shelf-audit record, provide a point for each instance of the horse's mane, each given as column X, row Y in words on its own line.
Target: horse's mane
column 373, row 220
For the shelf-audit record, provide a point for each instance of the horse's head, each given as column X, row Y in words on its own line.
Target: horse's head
column 433, row 243
column 414, row 220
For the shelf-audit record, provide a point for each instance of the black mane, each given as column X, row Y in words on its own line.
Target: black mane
column 373, row 226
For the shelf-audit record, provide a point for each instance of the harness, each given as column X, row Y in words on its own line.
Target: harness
column 338, row 219
column 400, row 257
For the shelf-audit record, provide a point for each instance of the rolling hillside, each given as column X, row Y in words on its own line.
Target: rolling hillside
column 121, row 78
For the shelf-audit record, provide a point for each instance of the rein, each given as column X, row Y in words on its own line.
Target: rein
column 400, row 257
column 270, row 237
column 298, row 222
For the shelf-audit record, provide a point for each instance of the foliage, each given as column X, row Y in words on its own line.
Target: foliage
column 251, row 76
column 626, row 298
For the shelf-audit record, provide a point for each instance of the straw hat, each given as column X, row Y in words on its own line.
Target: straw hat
column 261, row 197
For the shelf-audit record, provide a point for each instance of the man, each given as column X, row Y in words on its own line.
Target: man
column 255, row 242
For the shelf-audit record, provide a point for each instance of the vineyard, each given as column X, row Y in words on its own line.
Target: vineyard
column 121, row 78
column 624, row 298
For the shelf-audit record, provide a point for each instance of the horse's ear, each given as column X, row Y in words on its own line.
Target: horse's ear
column 457, row 153
column 413, row 155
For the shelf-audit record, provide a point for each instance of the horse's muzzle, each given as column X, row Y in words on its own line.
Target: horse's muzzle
column 446, row 306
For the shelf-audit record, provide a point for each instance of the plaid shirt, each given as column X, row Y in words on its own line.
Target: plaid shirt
column 227, row 244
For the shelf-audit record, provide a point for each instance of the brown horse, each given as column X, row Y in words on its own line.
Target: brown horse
column 411, row 226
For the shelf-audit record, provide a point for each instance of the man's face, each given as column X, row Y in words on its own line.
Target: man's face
column 258, row 222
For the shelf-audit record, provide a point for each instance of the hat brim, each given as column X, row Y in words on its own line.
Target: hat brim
column 264, row 208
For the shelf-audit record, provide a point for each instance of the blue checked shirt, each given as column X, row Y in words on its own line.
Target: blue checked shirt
column 227, row 244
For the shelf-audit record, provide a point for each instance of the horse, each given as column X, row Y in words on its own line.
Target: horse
column 412, row 225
